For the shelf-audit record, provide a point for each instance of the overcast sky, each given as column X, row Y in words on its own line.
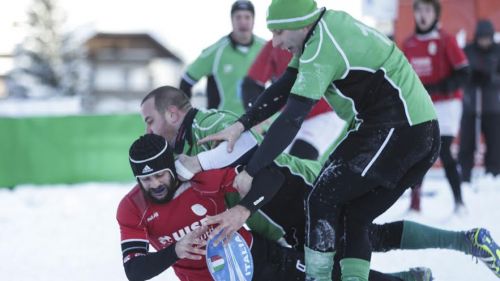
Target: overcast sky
column 185, row 26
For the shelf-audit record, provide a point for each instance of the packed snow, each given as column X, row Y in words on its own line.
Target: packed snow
column 62, row 232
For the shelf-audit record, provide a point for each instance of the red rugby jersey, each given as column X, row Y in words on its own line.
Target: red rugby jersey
column 163, row 224
column 434, row 56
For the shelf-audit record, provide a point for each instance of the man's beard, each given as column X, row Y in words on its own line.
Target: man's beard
column 171, row 189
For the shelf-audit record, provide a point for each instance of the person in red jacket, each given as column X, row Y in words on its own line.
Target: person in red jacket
column 442, row 67
column 310, row 142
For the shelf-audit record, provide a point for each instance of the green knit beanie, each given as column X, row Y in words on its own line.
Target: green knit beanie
column 292, row 14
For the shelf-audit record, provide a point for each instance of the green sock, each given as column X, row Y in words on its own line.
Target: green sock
column 354, row 269
column 419, row 236
column 319, row 265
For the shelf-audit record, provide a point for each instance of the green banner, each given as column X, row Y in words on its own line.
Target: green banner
column 68, row 149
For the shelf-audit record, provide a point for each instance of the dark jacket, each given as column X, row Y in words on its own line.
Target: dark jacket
column 484, row 73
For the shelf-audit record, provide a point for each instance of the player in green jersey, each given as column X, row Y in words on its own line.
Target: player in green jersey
column 227, row 61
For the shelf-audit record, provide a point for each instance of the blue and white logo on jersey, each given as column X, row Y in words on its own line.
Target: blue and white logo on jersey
column 231, row 262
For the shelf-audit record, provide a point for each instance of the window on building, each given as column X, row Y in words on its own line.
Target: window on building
column 110, row 78
column 139, row 79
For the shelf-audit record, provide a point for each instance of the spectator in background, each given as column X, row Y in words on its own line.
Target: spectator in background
column 321, row 126
column 481, row 106
column 226, row 62
column 442, row 67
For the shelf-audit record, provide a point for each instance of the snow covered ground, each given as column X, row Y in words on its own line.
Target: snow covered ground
column 61, row 233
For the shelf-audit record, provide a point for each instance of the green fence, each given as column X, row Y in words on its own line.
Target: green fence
column 68, row 149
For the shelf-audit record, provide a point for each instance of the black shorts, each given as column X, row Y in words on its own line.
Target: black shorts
column 385, row 155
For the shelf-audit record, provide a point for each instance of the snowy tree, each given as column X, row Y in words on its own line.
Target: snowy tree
column 49, row 62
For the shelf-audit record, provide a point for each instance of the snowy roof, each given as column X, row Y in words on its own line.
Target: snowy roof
column 129, row 40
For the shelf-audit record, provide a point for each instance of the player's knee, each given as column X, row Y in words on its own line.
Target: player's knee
column 446, row 158
column 322, row 236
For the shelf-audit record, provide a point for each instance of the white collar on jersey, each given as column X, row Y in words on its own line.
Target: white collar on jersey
column 183, row 187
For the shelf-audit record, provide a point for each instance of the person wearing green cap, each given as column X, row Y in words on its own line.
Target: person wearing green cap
column 393, row 138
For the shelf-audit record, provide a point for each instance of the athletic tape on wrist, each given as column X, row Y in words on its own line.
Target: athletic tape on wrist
column 182, row 171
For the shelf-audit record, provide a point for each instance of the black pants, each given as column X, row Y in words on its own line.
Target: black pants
column 450, row 168
column 363, row 177
column 277, row 263
column 286, row 209
column 490, row 127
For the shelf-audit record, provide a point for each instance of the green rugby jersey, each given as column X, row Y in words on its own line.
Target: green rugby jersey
column 228, row 63
column 361, row 73
column 208, row 122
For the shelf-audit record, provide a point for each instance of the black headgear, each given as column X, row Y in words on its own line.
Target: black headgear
column 485, row 28
column 150, row 154
column 244, row 5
